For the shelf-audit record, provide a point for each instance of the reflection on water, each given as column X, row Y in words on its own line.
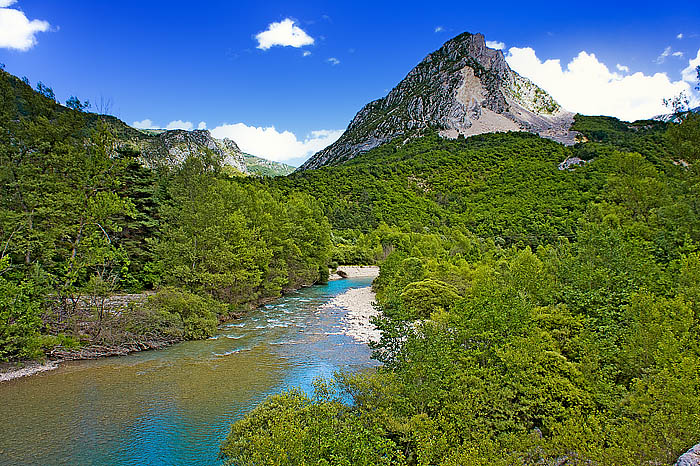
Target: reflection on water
column 174, row 406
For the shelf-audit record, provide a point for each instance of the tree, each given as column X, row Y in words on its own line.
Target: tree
column 684, row 137
column 46, row 91
column 684, row 132
column 75, row 104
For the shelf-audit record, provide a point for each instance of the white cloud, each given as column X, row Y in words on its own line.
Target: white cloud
column 274, row 145
column 668, row 51
column 306, row 53
column 202, row 125
column 679, row 36
column 690, row 74
column 662, row 58
column 587, row 86
column 333, row 61
column 494, row 44
column 179, row 124
column 439, row 29
column 623, row 68
column 144, row 124
column 16, row 30
column 285, row 34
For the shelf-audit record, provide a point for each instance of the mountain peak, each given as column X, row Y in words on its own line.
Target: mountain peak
column 463, row 88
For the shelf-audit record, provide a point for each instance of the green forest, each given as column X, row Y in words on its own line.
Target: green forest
column 531, row 315
column 81, row 218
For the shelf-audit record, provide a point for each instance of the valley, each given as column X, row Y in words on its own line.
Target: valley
column 537, row 299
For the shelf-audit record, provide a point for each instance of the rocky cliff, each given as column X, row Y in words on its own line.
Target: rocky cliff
column 173, row 147
column 463, row 88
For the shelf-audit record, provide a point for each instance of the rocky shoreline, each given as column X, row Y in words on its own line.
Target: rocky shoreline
column 359, row 304
column 59, row 354
column 9, row 372
column 357, row 323
column 354, row 271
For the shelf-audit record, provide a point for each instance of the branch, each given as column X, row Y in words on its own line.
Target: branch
column 7, row 243
column 103, row 231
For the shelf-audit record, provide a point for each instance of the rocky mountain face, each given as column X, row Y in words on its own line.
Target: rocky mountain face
column 675, row 117
column 173, row 147
column 464, row 88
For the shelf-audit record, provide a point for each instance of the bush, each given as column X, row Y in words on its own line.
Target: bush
column 199, row 315
column 155, row 323
column 49, row 342
column 323, row 274
column 19, row 320
column 426, row 296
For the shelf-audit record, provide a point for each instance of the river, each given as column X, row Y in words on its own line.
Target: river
column 174, row 406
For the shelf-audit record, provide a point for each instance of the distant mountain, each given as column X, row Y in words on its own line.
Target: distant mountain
column 264, row 167
column 464, row 88
column 154, row 148
column 673, row 117
column 172, row 147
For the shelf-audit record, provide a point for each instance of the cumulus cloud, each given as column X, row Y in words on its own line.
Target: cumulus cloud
column 494, row 44
column 284, row 34
column 677, row 54
column 16, row 30
column 144, row 124
column 587, row 86
column 179, row 124
column 275, row 145
column 175, row 124
column 439, row 29
column 333, row 61
column 679, row 36
column 690, row 74
column 306, row 53
column 623, row 68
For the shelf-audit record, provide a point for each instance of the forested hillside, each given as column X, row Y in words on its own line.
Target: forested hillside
column 82, row 218
column 264, row 167
column 531, row 314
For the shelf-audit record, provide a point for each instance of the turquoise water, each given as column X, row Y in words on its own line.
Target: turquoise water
column 174, row 406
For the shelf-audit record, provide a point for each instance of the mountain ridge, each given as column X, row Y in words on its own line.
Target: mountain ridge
column 153, row 148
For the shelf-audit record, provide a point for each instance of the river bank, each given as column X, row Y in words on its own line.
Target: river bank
column 358, row 328
column 357, row 324
column 175, row 405
column 58, row 355
column 358, row 304
column 10, row 371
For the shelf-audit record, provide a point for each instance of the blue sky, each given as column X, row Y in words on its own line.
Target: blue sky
column 192, row 62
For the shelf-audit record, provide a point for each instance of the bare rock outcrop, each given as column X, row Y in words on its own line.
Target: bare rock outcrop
column 175, row 146
column 690, row 458
column 464, row 88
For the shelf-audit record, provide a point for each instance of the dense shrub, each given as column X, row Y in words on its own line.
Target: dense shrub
column 198, row 315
